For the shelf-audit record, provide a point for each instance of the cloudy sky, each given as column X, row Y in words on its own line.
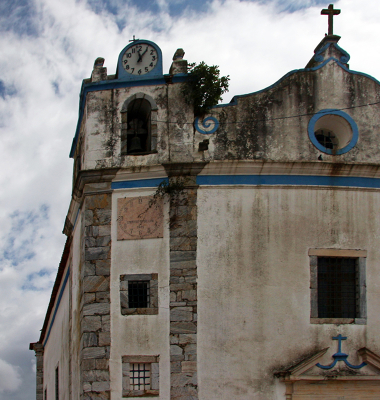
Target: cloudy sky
column 48, row 46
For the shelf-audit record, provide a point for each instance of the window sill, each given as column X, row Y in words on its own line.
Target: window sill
column 144, row 153
column 141, row 393
column 339, row 321
column 139, row 311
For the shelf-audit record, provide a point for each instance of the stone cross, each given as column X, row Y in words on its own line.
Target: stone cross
column 330, row 12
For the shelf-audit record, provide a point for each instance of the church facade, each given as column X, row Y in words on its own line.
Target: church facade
column 233, row 256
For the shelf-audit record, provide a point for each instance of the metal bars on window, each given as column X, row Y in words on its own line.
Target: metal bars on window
column 337, row 287
column 139, row 376
column 138, row 294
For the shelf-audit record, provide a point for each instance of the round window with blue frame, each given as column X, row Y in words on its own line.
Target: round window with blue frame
column 333, row 132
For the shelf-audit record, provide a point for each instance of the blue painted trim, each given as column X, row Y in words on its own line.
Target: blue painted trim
column 156, row 72
column 295, row 180
column 348, row 118
column 141, row 183
column 57, row 304
column 206, row 123
column 343, row 59
column 76, row 218
column 340, row 62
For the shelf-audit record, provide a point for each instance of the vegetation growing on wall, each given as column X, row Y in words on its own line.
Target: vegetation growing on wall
column 205, row 87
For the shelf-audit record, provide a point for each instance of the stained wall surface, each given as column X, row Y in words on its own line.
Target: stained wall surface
column 254, row 281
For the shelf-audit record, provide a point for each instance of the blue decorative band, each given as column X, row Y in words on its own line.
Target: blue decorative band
column 295, row 180
column 141, row 183
column 319, row 146
column 209, row 125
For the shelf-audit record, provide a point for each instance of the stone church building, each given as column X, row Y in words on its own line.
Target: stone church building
column 234, row 256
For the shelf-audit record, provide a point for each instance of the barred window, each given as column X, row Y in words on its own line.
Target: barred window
column 139, row 376
column 337, row 287
column 138, row 294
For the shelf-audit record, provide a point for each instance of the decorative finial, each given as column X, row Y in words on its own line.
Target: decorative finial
column 134, row 39
column 330, row 12
column 178, row 55
column 99, row 62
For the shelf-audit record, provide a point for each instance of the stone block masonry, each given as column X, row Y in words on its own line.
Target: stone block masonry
column 183, row 295
column 95, row 305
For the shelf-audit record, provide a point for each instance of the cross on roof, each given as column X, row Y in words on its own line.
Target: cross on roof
column 330, row 12
column 134, row 39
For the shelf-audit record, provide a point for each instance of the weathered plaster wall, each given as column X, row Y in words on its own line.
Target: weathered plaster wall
column 103, row 128
column 254, row 281
column 59, row 355
column 139, row 334
column 258, row 127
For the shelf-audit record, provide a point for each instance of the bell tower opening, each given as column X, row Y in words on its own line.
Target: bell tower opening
column 136, row 121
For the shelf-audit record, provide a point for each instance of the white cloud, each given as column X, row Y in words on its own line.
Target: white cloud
column 253, row 42
column 9, row 377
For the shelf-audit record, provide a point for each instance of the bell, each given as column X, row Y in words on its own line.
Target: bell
column 135, row 145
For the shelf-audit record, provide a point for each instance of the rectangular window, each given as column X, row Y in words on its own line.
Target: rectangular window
column 338, row 287
column 140, row 376
column 138, row 294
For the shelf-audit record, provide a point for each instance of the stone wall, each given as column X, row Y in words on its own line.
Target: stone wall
column 95, row 274
column 183, row 294
column 39, row 349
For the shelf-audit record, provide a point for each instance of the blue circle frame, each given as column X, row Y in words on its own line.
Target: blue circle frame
column 322, row 113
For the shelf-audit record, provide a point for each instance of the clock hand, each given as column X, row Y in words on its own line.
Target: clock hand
column 144, row 51
column 140, row 56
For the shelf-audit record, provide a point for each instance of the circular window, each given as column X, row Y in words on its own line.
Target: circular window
column 333, row 132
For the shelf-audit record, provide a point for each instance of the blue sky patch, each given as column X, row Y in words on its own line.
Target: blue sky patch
column 7, row 90
column 290, row 6
column 19, row 16
column 32, row 278
column 19, row 243
column 174, row 8
column 55, row 85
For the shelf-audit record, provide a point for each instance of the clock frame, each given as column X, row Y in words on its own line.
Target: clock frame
column 141, row 59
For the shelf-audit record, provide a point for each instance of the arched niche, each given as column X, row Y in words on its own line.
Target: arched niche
column 139, row 125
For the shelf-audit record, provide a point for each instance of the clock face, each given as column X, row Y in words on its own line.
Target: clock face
column 140, row 59
column 139, row 218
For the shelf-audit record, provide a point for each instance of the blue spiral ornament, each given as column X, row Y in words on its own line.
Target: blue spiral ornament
column 208, row 126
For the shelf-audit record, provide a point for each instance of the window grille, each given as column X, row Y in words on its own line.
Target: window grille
column 139, row 376
column 326, row 138
column 138, row 294
column 337, row 287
